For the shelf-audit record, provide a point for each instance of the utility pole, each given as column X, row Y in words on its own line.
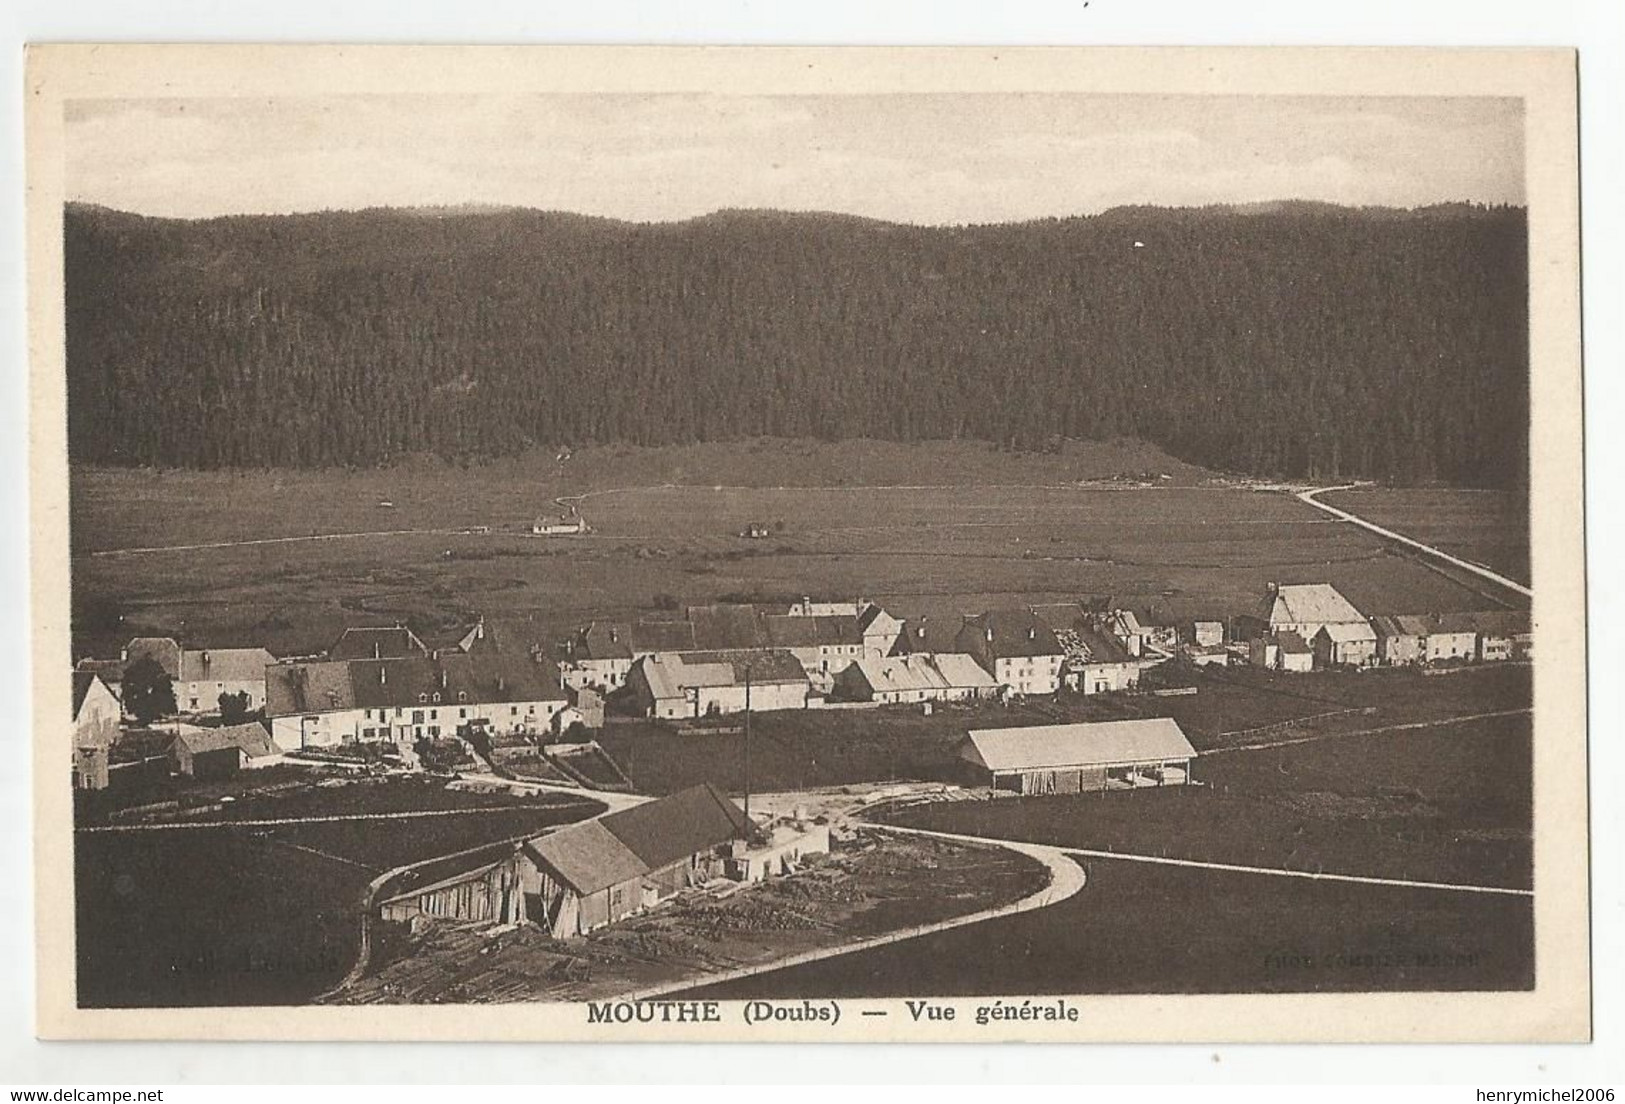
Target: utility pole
column 748, row 823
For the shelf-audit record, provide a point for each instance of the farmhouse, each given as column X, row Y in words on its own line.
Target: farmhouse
column 207, row 673
column 824, row 644
column 95, row 729
column 1345, row 645
column 593, row 873
column 383, row 642
column 1452, row 637
column 1016, row 647
column 925, row 636
column 1079, row 758
column 1207, row 634
column 1402, row 639
column 1142, row 631
column 411, row 698
column 1095, row 662
column 684, row 685
column 945, row 676
column 1306, row 609
column 880, row 630
column 110, row 671
column 1504, row 635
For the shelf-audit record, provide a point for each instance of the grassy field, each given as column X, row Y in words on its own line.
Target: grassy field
column 796, row 750
column 250, row 915
column 1486, row 527
column 930, row 530
column 1146, row 929
column 1447, row 804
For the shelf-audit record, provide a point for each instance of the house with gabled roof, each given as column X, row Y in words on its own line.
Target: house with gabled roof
column 1016, row 647
column 410, row 698
column 689, row 685
column 377, row 642
column 943, row 676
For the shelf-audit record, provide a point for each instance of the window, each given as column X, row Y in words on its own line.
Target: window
column 434, row 714
column 417, row 717
column 513, row 711
column 462, row 714
column 369, row 733
column 437, row 695
column 462, row 695
column 422, row 698
column 434, row 730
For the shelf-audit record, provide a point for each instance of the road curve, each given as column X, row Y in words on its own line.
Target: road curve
column 1309, row 496
column 1065, row 880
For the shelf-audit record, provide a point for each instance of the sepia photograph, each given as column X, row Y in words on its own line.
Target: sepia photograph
column 760, row 547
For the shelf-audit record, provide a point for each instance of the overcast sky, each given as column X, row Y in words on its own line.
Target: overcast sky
column 909, row 158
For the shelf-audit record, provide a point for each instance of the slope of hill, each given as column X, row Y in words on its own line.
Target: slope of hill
column 1293, row 340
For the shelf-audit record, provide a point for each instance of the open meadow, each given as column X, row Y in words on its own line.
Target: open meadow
column 1490, row 528
column 160, row 924
column 1011, row 531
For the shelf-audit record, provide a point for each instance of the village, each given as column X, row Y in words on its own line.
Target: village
column 495, row 709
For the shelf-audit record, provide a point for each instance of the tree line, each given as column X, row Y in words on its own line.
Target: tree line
column 1296, row 340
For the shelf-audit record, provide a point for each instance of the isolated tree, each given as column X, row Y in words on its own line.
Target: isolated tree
column 149, row 692
column 234, row 707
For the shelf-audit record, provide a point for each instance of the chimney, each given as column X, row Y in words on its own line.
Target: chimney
column 205, row 658
column 383, row 676
column 1032, row 633
column 614, row 634
column 377, row 650
column 989, row 634
column 502, row 683
column 442, row 678
column 479, row 628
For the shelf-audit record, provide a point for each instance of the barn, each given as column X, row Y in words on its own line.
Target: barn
column 599, row 871
column 1080, row 758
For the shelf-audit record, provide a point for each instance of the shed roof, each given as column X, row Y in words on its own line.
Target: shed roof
column 692, row 820
column 587, row 857
column 1100, row 743
column 1104, row 743
column 250, row 739
column 1292, row 643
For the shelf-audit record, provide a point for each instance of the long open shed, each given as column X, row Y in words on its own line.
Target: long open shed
column 1079, row 758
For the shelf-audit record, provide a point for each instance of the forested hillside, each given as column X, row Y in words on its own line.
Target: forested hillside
column 1290, row 340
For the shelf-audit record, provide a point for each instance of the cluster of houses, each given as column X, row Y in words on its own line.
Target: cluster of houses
column 384, row 684
column 1305, row 626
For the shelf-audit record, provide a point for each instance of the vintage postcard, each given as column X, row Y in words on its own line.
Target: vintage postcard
column 793, row 544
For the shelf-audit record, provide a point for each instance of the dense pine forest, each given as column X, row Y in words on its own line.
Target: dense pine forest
column 1293, row 340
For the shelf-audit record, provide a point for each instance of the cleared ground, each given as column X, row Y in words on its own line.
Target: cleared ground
column 1052, row 528
column 1445, row 804
column 861, row 890
column 797, row 750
